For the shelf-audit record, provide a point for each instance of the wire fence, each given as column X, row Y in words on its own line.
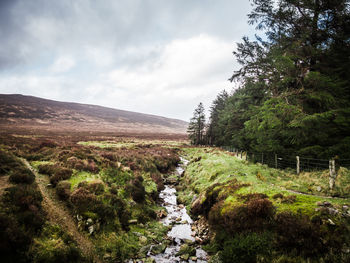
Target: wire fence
column 297, row 163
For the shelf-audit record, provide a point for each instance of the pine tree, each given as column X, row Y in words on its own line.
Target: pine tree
column 214, row 133
column 197, row 125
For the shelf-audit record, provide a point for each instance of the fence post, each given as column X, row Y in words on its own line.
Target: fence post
column 262, row 158
column 298, row 165
column 276, row 165
column 241, row 155
column 253, row 158
column 332, row 174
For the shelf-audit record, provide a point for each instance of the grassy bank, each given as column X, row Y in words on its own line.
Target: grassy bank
column 248, row 205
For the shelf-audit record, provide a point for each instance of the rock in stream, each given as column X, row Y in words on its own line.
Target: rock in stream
column 183, row 247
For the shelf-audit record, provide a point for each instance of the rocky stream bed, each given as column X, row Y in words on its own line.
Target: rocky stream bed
column 182, row 243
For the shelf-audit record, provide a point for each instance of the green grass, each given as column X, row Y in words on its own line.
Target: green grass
column 216, row 166
column 132, row 143
column 79, row 176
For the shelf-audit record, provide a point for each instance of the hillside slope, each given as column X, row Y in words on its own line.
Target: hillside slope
column 20, row 110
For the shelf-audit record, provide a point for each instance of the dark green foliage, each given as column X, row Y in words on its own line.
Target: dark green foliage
column 157, row 178
column 196, row 127
column 245, row 248
column 137, row 190
column 54, row 246
column 121, row 208
column 294, row 85
column 21, row 175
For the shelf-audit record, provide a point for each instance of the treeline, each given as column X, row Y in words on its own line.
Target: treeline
column 294, row 84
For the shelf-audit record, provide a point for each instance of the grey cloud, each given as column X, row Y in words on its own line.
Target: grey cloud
column 29, row 27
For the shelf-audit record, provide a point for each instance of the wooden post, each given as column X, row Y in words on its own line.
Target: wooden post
column 298, row 165
column 241, row 155
column 276, row 165
column 332, row 174
column 262, row 158
column 253, row 158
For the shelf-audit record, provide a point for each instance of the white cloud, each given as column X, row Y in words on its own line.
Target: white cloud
column 62, row 64
column 185, row 72
column 171, row 82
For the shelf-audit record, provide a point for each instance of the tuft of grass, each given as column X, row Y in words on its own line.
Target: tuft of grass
column 80, row 176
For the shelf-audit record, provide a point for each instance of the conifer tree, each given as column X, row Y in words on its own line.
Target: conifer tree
column 197, row 126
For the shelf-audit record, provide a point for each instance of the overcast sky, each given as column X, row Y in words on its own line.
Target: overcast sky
column 160, row 57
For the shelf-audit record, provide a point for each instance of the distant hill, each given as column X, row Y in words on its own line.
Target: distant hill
column 29, row 111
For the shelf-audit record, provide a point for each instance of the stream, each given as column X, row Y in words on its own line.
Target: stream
column 180, row 221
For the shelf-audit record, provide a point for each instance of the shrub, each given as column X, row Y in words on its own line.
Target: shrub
column 48, row 143
column 97, row 187
column 83, row 200
column 8, row 162
column 245, row 248
column 48, row 169
column 53, row 246
column 253, row 196
column 157, row 178
column 23, row 196
column 137, row 190
column 22, row 176
column 14, row 241
column 61, row 174
column 296, row 234
column 256, row 215
column 63, row 190
column 123, row 213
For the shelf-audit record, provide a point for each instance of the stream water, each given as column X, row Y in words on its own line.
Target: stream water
column 180, row 221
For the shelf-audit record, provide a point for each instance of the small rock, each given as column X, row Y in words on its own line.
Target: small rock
column 132, row 221
column 107, row 256
column 143, row 240
column 162, row 214
column 181, row 206
column 91, row 229
column 194, row 258
column 185, row 256
column 198, row 240
column 319, row 188
column 49, row 185
column 345, row 208
column 138, row 234
column 149, row 260
column 327, row 204
column 89, row 221
column 333, row 211
column 330, row 221
column 178, row 219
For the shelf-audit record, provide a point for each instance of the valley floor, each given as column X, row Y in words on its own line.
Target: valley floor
column 96, row 199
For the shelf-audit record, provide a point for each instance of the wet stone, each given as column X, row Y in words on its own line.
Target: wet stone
column 180, row 241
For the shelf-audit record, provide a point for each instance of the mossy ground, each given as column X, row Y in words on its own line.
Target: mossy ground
column 217, row 166
column 246, row 202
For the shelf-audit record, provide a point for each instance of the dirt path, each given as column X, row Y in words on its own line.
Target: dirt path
column 58, row 214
